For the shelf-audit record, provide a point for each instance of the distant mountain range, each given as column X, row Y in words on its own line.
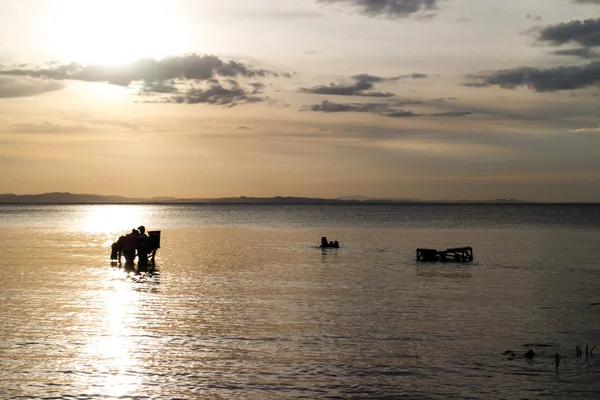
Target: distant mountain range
column 70, row 198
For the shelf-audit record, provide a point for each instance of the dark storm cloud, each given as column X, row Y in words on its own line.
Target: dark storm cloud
column 363, row 85
column 383, row 109
column 392, row 9
column 11, row 86
column 541, row 80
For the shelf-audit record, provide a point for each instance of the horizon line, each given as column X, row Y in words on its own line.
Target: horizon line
column 119, row 199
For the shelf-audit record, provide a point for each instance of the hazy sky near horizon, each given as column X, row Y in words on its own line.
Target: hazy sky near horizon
column 453, row 99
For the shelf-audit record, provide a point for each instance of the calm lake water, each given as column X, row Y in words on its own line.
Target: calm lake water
column 244, row 306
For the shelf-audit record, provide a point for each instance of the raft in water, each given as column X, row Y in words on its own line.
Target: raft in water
column 458, row 254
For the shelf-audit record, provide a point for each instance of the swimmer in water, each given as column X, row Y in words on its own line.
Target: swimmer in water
column 324, row 243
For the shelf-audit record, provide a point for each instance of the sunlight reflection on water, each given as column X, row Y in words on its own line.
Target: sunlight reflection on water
column 254, row 312
column 112, row 327
column 112, row 218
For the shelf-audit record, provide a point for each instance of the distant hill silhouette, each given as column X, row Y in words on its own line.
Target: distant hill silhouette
column 70, row 198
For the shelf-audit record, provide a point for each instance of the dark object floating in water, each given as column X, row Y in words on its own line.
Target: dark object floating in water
column 594, row 304
column 458, row 254
column 512, row 354
column 530, row 354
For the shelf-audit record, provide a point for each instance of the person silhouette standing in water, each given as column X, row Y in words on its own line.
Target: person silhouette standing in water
column 142, row 249
column 130, row 244
column 324, row 243
column 117, row 250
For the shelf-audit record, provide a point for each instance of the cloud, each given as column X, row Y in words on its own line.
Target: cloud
column 24, row 86
column 393, row 9
column 258, row 87
column 362, row 86
column 585, row 1
column 231, row 94
column 332, row 107
column 533, row 17
column 175, row 75
column 584, row 33
column 452, row 114
column 402, row 103
column 401, row 114
column 150, row 87
column 383, row 109
column 586, row 129
column 541, row 80
column 579, row 52
column 414, row 76
column 187, row 67
column 444, row 99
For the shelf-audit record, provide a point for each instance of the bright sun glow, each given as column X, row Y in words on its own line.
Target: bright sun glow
column 113, row 31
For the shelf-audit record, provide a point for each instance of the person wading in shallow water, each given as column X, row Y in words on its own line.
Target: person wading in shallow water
column 117, row 250
column 324, row 242
column 130, row 244
column 142, row 249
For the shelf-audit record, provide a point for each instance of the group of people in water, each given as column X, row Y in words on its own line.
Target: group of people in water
column 134, row 243
column 138, row 243
column 326, row 244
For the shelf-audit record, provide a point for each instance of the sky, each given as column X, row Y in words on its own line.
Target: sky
column 427, row 99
